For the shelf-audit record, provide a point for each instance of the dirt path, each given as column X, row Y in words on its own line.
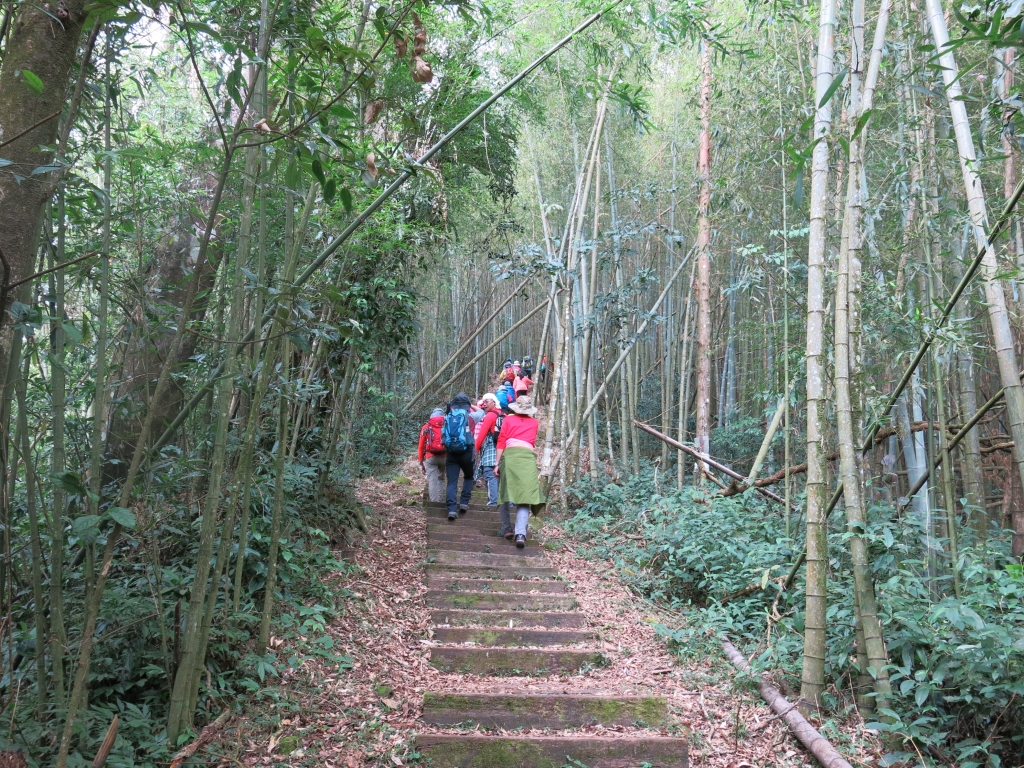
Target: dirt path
column 369, row 715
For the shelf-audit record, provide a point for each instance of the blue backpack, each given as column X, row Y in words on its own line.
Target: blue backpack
column 456, row 433
column 505, row 396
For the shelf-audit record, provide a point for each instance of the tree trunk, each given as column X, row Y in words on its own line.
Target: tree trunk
column 847, row 310
column 153, row 331
column 46, row 47
column 813, row 675
column 995, row 297
column 702, row 434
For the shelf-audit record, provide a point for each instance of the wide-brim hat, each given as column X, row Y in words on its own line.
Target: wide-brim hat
column 523, row 406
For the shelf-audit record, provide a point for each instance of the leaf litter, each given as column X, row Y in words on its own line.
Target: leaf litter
column 368, row 715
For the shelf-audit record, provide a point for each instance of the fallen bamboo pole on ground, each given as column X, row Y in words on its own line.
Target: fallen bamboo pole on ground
column 805, row 733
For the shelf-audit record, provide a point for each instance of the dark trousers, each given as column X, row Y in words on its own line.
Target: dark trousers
column 454, row 464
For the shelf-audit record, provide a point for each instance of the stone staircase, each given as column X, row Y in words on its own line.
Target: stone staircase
column 501, row 613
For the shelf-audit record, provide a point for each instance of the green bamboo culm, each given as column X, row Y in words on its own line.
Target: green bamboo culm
column 275, row 525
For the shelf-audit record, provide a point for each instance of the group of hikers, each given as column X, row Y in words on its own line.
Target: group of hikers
column 494, row 441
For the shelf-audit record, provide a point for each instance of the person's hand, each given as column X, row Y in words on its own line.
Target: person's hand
column 423, row 469
column 497, row 472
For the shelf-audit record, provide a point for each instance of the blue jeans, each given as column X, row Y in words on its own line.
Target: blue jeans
column 456, row 464
column 492, row 485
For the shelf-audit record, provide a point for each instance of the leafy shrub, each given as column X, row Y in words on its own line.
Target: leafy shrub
column 957, row 664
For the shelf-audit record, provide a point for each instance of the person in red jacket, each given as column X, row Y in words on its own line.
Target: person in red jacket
column 518, row 479
column 432, row 457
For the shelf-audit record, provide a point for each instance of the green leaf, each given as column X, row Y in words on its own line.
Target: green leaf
column 123, row 517
column 346, row 199
column 292, row 175
column 330, row 189
column 32, row 81
column 70, row 482
column 84, row 527
column 833, row 86
column 862, row 122
column 300, row 341
column 71, row 332
column 198, row 26
column 318, row 171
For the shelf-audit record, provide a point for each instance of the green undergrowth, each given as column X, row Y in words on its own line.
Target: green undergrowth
column 957, row 664
column 137, row 647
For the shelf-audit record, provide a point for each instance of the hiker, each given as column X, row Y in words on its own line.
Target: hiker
column 522, row 384
column 506, row 394
column 432, row 455
column 518, row 479
column 486, row 442
column 458, row 442
column 506, row 372
column 528, row 366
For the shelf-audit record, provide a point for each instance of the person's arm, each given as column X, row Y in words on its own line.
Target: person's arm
column 421, row 452
column 486, row 425
column 506, row 428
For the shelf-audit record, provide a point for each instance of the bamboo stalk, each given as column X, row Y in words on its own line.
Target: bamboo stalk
column 805, row 733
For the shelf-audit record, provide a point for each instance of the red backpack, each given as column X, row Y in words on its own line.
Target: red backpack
column 432, row 429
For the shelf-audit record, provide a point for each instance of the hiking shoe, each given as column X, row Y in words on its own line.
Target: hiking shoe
column 520, row 541
column 463, row 510
column 509, row 535
column 452, row 516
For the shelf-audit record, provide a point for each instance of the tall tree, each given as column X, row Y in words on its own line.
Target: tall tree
column 702, row 435
column 813, row 676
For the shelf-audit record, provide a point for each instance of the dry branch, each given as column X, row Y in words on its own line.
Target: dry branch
column 108, row 744
column 805, row 733
column 205, row 736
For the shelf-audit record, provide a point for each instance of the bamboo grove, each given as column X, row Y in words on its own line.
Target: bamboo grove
column 759, row 250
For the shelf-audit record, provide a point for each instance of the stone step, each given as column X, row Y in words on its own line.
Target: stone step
column 458, row 617
column 549, row 586
column 459, row 751
column 512, row 662
column 515, row 571
column 496, row 547
column 483, row 601
column 480, row 558
column 465, row 526
column 441, row 513
column 474, row 506
column 511, row 638
column 554, row 711
column 460, row 533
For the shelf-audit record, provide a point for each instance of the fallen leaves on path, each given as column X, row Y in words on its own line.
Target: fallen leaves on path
column 368, row 716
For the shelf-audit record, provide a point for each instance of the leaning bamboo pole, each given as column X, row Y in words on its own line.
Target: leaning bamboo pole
column 480, row 327
column 581, row 417
column 493, row 344
column 330, row 249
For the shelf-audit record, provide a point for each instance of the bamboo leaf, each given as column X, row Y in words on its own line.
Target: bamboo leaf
column 833, row 86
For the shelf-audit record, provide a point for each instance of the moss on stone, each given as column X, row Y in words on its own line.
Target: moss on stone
column 288, row 744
